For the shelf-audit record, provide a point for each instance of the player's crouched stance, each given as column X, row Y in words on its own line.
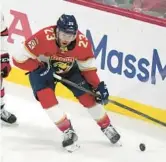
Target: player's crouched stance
column 68, row 53
column 5, row 68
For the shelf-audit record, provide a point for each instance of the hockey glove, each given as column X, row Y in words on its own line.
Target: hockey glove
column 42, row 77
column 5, row 65
column 102, row 93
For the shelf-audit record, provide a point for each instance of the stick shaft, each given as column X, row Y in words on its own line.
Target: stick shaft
column 111, row 101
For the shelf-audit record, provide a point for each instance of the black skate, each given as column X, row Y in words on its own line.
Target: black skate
column 112, row 134
column 7, row 117
column 69, row 141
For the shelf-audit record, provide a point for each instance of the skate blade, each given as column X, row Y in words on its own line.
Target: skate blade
column 117, row 144
column 3, row 123
column 72, row 147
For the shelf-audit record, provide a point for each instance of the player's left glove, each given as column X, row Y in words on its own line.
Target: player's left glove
column 5, row 65
column 102, row 93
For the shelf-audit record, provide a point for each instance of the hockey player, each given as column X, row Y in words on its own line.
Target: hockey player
column 62, row 49
column 6, row 116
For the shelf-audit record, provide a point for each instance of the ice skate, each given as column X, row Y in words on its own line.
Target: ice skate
column 70, row 140
column 7, row 117
column 111, row 134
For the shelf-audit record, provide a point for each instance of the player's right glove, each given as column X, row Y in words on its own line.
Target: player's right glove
column 42, row 76
column 5, row 65
column 102, row 93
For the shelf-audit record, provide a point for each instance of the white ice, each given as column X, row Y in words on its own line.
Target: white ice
column 36, row 139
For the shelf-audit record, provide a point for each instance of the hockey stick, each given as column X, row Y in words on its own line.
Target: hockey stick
column 111, row 101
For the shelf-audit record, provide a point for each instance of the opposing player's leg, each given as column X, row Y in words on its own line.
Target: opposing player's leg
column 6, row 116
column 96, row 110
column 44, row 93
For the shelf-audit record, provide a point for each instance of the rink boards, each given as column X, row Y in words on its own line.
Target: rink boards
column 130, row 54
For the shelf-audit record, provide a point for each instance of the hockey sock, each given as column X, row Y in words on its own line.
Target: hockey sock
column 49, row 102
column 58, row 117
column 104, row 122
column 99, row 115
column 47, row 98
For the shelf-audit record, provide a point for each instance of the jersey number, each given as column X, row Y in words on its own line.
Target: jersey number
column 50, row 34
column 83, row 41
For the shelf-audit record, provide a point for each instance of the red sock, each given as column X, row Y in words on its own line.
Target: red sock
column 64, row 124
column 47, row 98
column 104, row 121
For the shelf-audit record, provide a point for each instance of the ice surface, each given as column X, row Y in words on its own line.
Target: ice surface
column 36, row 139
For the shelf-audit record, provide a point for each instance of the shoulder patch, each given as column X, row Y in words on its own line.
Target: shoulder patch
column 32, row 43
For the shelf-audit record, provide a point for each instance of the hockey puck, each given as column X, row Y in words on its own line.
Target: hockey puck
column 142, row 147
